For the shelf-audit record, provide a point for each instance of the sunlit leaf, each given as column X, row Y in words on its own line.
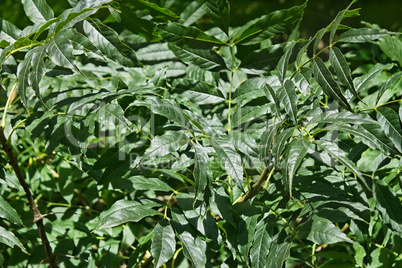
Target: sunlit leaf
column 37, row 10
column 163, row 244
column 362, row 35
column 391, row 123
column 219, row 11
column 8, row 212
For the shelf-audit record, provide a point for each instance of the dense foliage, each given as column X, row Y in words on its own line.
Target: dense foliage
column 152, row 133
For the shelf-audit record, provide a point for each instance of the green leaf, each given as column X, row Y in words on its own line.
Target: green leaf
column 23, row 73
column 155, row 52
column 340, row 156
column 247, row 114
column 343, row 117
column 60, row 52
column 295, row 154
column 271, row 95
column 109, row 43
column 10, row 239
column 169, row 142
column 38, row 68
column 362, row 35
column 391, row 123
column 279, row 250
column 155, row 10
column 260, row 247
column 201, row 176
column 194, row 249
column 392, row 47
column 8, row 212
column 189, row 36
column 284, row 61
column 145, row 184
column 219, row 11
column 267, row 139
column 230, row 158
column 270, row 25
column 337, row 20
column 250, row 89
column 137, row 25
column 321, row 231
column 37, row 10
column 279, row 143
column 192, row 13
column 342, row 69
column 259, row 61
column 163, row 244
column 363, row 81
column 206, row 59
column 8, row 31
column 388, row 204
column 288, row 97
column 395, row 77
column 327, row 83
column 169, row 109
column 123, row 211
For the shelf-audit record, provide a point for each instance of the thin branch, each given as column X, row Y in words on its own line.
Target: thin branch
column 38, row 217
column 256, row 187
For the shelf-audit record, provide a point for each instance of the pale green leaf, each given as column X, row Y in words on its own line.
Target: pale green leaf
column 363, row 81
column 194, row 248
column 163, row 244
column 343, row 117
column 391, row 123
column 287, row 95
column 8, row 31
column 145, row 184
column 37, row 10
column 230, row 158
column 395, row 77
column 392, row 47
column 38, row 68
column 169, row 142
column 260, row 247
column 8, row 238
column 155, row 52
column 60, row 52
column 362, row 35
column 123, row 211
column 284, row 62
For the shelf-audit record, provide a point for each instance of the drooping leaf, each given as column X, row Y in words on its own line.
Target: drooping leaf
column 294, row 156
column 169, row 142
column 287, row 95
column 279, row 250
column 272, row 96
column 37, row 10
column 339, row 155
column 145, row 184
column 230, row 158
column 206, row 59
column 189, row 36
column 391, row 123
column 267, row 139
column 279, row 143
column 138, row 25
column 8, row 238
column 362, row 35
column 337, row 20
column 392, row 47
column 8, row 31
column 38, row 68
column 109, row 43
column 163, row 244
column 321, row 231
column 8, row 212
column 201, row 176
column 23, row 73
column 342, row 69
column 123, row 211
column 260, row 247
column 219, row 11
column 283, row 62
column 327, row 83
column 388, row 204
column 270, row 25
column 192, row 13
column 262, row 60
column 363, row 81
column 169, row 109
column 194, row 248
column 248, row 113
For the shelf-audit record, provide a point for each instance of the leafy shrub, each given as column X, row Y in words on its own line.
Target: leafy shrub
column 145, row 134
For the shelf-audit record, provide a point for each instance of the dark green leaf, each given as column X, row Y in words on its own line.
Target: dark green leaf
column 283, row 62
column 124, row 211
column 342, row 117
column 270, row 25
column 8, row 212
column 206, row 59
column 155, row 10
column 23, row 73
column 169, row 142
column 363, row 81
column 194, row 249
column 145, row 184
column 395, row 77
column 38, row 68
column 137, row 25
column 392, row 47
column 201, row 176
column 260, row 247
column 280, row 142
column 219, row 11
column 321, row 231
column 327, row 83
column 163, row 244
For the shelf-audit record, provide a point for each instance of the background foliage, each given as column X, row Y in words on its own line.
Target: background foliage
column 172, row 133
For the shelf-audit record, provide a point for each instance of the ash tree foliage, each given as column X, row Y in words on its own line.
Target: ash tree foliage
column 152, row 133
